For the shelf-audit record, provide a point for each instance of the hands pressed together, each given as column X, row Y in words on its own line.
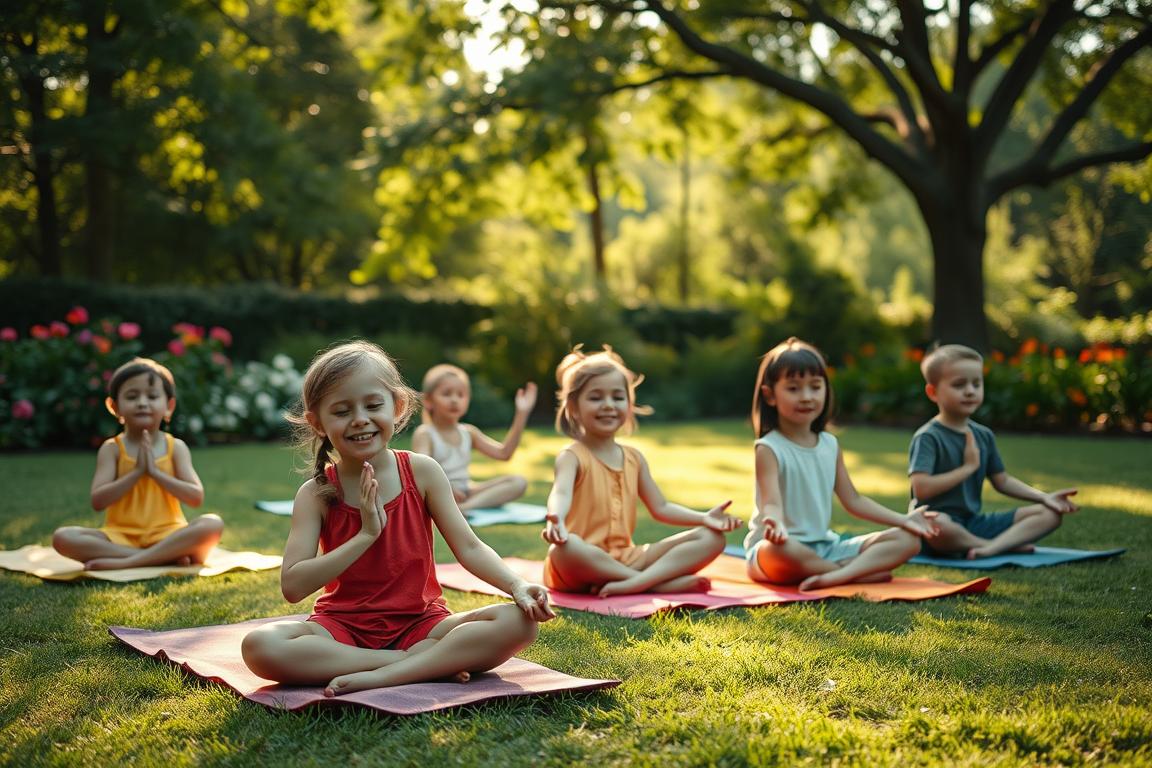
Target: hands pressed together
column 372, row 515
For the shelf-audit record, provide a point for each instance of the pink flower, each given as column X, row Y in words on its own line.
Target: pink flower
column 84, row 336
column 77, row 316
column 58, row 329
column 40, row 332
column 187, row 329
column 23, row 409
column 176, row 347
column 221, row 335
column 8, row 334
column 128, row 331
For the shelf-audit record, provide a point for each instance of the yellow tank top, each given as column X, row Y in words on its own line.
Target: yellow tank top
column 147, row 507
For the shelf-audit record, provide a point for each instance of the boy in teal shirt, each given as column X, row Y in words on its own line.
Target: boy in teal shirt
column 950, row 457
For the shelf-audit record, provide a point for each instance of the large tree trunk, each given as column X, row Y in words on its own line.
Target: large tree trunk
column 99, row 112
column 958, row 262
column 47, row 220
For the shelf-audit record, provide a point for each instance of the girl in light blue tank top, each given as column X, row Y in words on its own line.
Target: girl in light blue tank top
column 798, row 468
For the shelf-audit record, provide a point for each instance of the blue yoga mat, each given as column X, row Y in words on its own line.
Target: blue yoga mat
column 1043, row 556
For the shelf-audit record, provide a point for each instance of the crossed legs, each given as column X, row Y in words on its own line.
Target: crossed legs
column 304, row 653
column 1028, row 525
column 795, row 563
column 668, row 565
column 190, row 544
column 494, row 492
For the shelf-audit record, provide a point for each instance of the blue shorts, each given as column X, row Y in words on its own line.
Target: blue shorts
column 987, row 526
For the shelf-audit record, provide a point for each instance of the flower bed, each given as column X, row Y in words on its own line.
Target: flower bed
column 53, row 382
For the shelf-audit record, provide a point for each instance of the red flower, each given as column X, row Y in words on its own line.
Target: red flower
column 998, row 356
column 128, row 331
column 1058, row 353
column 868, row 350
column 221, row 335
column 23, row 409
column 40, row 332
column 187, row 329
column 1085, row 356
column 176, row 347
column 77, row 316
column 58, row 329
column 8, row 334
column 1032, row 409
column 1077, row 396
column 1029, row 347
column 103, row 346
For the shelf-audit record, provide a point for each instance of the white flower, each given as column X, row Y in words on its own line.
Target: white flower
column 283, row 362
column 236, row 405
column 277, row 379
column 248, row 382
column 264, row 401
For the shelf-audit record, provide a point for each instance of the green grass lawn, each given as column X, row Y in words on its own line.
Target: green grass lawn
column 1050, row 666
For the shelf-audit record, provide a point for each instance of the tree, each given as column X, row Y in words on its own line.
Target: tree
column 929, row 91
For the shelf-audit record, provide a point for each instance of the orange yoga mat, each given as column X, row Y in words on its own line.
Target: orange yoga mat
column 730, row 587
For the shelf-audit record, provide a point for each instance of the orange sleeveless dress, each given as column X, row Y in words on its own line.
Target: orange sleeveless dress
column 147, row 513
column 603, row 511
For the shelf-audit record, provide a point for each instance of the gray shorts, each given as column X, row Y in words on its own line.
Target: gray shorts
column 986, row 526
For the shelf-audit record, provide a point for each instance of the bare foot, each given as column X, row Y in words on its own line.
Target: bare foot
column 107, row 564
column 363, row 681
column 688, row 583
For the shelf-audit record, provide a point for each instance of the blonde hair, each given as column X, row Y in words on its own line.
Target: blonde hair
column 433, row 379
column 574, row 373
column 324, row 373
column 933, row 364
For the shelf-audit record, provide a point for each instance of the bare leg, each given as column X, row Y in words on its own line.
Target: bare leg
column 476, row 641
column 671, row 558
column 585, row 567
column 83, row 544
column 787, row 563
column 193, row 542
column 1029, row 524
column 881, row 553
column 494, row 492
column 955, row 538
column 304, row 653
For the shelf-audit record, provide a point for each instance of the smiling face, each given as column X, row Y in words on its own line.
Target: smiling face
column 358, row 415
column 142, row 403
column 959, row 391
column 799, row 399
column 603, row 405
column 449, row 400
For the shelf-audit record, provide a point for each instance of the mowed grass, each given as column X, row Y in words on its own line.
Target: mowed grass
column 1050, row 666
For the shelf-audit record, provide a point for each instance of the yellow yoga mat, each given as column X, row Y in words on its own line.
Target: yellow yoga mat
column 47, row 563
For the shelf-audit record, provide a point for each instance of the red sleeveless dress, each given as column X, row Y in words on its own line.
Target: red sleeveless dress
column 389, row 597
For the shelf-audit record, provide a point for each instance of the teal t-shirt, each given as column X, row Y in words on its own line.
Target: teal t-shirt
column 937, row 449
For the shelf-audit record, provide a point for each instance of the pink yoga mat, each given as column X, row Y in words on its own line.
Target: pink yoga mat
column 214, row 653
column 730, row 588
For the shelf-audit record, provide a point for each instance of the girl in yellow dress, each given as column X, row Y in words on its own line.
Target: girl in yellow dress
column 141, row 477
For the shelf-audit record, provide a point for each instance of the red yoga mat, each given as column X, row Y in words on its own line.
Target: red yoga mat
column 730, row 587
column 214, row 653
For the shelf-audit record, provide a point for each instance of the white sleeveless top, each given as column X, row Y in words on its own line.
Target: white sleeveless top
column 453, row 458
column 807, row 479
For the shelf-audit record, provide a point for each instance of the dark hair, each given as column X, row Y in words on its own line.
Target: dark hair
column 791, row 357
column 137, row 366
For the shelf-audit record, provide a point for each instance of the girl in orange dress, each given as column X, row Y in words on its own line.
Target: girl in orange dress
column 592, row 506
column 140, row 481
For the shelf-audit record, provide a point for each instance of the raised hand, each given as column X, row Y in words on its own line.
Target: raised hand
column 526, row 398
column 1060, row 501
column 372, row 516
column 554, row 531
column 971, row 450
column 533, row 600
column 922, row 522
column 718, row 520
